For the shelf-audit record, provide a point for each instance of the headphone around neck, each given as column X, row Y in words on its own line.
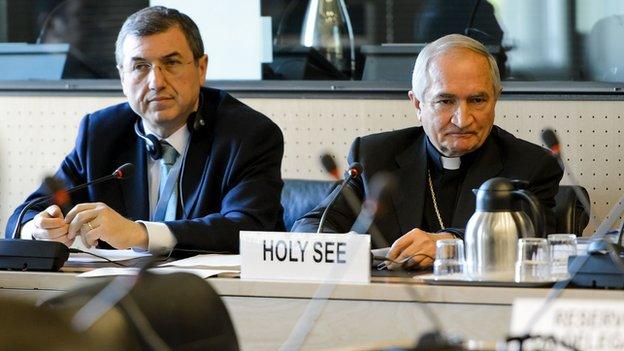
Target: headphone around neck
column 154, row 149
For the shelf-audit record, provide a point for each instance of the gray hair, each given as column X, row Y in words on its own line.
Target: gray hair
column 421, row 78
column 158, row 19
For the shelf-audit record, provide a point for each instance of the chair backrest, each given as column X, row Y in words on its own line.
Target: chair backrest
column 569, row 212
column 299, row 196
column 182, row 309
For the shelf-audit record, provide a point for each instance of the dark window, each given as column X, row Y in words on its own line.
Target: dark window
column 533, row 40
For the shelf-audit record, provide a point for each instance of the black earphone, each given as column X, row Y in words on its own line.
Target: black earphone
column 154, row 149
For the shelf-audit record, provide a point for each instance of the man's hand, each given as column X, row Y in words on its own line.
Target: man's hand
column 416, row 249
column 48, row 225
column 98, row 221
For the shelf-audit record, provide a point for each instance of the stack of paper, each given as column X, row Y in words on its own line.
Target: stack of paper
column 112, row 255
column 204, row 266
column 228, row 262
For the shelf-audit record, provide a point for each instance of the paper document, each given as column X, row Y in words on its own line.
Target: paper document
column 113, row 255
column 113, row 271
column 231, row 262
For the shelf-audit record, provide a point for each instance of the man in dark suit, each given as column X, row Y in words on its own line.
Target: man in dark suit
column 455, row 86
column 207, row 166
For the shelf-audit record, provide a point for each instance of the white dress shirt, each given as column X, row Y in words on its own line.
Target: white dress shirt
column 161, row 240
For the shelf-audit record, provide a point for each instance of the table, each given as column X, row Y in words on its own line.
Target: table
column 385, row 310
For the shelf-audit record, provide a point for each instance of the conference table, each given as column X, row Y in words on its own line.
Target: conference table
column 387, row 311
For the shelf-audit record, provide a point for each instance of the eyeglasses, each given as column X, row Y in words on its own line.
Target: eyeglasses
column 140, row 69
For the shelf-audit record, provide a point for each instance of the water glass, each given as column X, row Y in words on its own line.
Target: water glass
column 449, row 258
column 562, row 246
column 533, row 260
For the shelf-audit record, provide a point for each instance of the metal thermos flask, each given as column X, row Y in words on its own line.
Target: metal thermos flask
column 493, row 230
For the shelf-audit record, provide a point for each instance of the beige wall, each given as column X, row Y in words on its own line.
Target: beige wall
column 37, row 131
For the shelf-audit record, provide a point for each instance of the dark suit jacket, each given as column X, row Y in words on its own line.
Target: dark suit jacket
column 230, row 182
column 403, row 154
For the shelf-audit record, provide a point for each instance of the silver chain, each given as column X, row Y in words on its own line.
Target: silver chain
column 435, row 203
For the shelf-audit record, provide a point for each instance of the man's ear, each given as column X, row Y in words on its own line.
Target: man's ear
column 203, row 68
column 415, row 102
column 122, row 79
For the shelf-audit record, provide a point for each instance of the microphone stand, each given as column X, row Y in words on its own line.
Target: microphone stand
column 61, row 195
column 354, row 171
column 552, row 142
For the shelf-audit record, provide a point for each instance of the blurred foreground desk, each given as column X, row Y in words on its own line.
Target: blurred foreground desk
column 264, row 313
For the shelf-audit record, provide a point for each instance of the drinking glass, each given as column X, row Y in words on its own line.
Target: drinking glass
column 562, row 246
column 533, row 260
column 449, row 258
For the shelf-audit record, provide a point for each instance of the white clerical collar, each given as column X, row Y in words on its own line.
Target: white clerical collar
column 451, row 163
column 178, row 139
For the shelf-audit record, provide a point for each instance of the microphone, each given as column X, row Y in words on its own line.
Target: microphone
column 330, row 166
column 353, row 200
column 599, row 243
column 550, row 139
column 354, row 171
column 380, row 184
column 60, row 195
column 125, row 171
column 552, row 142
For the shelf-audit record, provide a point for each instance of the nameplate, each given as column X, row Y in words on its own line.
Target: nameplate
column 336, row 258
column 585, row 324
